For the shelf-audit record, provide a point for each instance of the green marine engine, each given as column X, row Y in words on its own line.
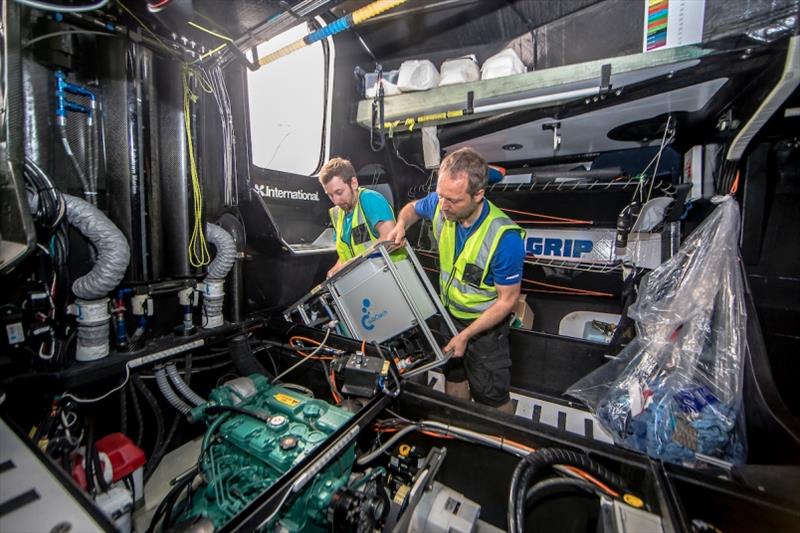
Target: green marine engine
column 256, row 432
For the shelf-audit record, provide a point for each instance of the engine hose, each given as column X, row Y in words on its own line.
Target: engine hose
column 85, row 185
column 169, row 393
column 159, row 416
column 243, row 358
column 182, row 387
column 537, row 462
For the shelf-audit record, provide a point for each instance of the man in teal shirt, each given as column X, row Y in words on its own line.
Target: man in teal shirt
column 359, row 216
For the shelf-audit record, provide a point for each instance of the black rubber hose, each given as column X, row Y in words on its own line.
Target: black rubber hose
column 159, row 416
column 98, row 470
column 550, row 486
column 243, row 358
column 532, row 465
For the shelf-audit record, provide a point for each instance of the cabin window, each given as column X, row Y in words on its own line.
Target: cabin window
column 287, row 106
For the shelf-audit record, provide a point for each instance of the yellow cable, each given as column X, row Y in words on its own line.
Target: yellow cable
column 211, row 52
column 373, row 9
column 210, row 32
column 198, row 249
column 286, row 50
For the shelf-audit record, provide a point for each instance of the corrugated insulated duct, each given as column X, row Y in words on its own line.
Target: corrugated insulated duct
column 113, row 252
column 226, row 252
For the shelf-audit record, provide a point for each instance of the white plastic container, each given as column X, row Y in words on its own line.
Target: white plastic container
column 505, row 63
column 459, row 70
column 417, row 75
column 389, row 82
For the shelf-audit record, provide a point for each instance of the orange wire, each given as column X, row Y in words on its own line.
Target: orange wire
column 735, row 185
column 306, row 339
column 591, row 479
column 583, row 292
column 336, row 397
column 560, row 288
column 548, row 217
column 582, row 473
column 552, row 222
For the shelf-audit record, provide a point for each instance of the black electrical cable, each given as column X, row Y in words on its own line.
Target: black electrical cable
column 393, row 370
column 98, row 468
column 159, row 416
column 169, row 499
column 533, row 464
column 137, row 409
column 158, row 455
column 88, row 463
column 123, row 411
column 217, row 409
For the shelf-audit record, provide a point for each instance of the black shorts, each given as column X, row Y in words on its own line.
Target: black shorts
column 486, row 364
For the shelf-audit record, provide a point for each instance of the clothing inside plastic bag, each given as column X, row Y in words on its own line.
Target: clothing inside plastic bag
column 676, row 389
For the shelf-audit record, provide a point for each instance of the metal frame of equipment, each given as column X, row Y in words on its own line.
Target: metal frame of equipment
column 399, row 283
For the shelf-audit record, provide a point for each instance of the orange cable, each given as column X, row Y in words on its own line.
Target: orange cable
column 549, row 217
column 552, row 222
column 735, row 185
column 306, row 339
column 568, row 290
column 591, row 479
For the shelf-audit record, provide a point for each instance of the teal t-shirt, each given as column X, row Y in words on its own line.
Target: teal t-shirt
column 375, row 208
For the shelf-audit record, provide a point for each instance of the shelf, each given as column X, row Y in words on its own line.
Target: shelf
column 545, row 87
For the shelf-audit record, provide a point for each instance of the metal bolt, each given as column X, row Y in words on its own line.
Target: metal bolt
column 618, row 92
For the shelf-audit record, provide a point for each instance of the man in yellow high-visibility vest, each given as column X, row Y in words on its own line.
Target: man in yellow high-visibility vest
column 481, row 258
column 359, row 216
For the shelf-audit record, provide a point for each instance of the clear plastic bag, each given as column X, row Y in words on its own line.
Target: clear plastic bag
column 676, row 390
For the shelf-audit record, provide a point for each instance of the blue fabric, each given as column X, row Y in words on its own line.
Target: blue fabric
column 509, row 258
column 375, row 208
column 655, row 430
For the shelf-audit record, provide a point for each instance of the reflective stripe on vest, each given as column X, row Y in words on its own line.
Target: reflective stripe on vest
column 468, row 298
column 348, row 249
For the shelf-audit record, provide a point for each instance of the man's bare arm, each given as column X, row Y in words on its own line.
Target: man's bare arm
column 384, row 228
column 408, row 217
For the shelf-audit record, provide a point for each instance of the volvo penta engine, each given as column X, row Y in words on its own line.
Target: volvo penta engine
column 256, row 432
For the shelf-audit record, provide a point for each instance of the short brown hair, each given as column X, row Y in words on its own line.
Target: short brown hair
column 337, row 167
column 469, row 161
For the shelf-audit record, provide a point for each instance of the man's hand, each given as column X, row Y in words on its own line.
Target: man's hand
column 458, row 345
column 397, row 235
column 335, row 268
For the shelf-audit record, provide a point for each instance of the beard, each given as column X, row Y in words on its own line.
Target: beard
column 463, row 214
